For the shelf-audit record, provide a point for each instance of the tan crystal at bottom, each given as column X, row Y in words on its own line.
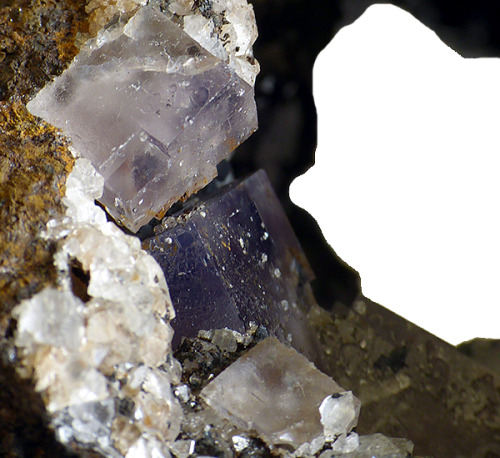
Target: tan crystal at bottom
column 275, row 391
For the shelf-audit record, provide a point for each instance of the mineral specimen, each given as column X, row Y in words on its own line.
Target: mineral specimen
column 345, row 444
column 234, row 260
column 277, row 392
column 152, row 109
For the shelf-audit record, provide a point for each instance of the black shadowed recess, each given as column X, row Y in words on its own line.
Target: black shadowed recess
column 285, row 143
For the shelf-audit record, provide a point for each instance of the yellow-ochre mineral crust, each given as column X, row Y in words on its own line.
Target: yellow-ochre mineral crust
column 37, row 42
column 38, row 39
column 34, row 163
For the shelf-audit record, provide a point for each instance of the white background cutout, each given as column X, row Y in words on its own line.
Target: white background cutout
column 406, row 186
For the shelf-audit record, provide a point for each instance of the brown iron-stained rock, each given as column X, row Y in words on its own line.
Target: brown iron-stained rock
column 484, row 351
column 34, row 163
column 38, row 39
column 37, row 42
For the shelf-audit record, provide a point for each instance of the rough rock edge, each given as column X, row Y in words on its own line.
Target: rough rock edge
column 34, row 164
column 38, row 39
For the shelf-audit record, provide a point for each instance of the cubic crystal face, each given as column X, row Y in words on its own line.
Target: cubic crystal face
column 233, row 261
column 275, row 391
column 153, row 111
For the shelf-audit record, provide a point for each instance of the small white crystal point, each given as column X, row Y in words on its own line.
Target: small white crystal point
column 339, row 414
column 346, row 444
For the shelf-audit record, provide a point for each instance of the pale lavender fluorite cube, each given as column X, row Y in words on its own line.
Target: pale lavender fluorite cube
column 153, row 110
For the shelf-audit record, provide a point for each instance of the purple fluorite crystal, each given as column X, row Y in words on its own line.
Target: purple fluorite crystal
column 153, row 110
column 234, row 260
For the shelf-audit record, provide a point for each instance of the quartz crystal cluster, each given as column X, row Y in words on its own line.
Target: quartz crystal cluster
column 225, row 28
column 98, row 345
column 152, row 108
column 234, row 260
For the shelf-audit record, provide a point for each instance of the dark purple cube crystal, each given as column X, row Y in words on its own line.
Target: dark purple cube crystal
column 234, row 260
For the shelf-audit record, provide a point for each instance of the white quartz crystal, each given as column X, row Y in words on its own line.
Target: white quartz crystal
column 240, row 443
column 90, row 353
column 339, row 414
column 310, row 448
column 91, row 421
column 346, row 444
column 52, row 318
column 226, row 28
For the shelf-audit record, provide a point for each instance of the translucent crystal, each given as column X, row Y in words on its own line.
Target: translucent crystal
column 154, row 402
column 234, row 261
column 53, row 318
column 310, row 448
column 67, row 378
column 226, row 28
column 225, row 339
column 345, row 444
column 91, row 422
column 152, row 109
column 273, row 390
column 182, row 448
column 339, row 414
column 240, row 443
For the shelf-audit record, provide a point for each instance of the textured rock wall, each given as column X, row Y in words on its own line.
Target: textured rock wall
column 38, row 40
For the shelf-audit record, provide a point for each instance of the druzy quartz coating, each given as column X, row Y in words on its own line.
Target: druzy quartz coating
column 234, row 260
column 153, row 110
